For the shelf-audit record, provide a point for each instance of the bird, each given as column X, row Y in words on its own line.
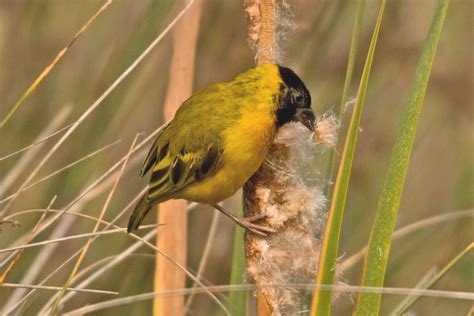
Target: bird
column 219, row 137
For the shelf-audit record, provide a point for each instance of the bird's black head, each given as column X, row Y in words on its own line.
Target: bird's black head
column 295, row 100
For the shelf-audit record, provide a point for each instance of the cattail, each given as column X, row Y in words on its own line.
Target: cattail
column 269, row 22
column 291, row 199
column 294, row 205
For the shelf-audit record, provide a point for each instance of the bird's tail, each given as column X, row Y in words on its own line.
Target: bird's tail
column 142, row 208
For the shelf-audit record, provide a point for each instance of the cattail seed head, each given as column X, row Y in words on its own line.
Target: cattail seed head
column 291, row 197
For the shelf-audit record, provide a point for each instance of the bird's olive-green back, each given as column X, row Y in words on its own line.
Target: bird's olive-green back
column 193, row 141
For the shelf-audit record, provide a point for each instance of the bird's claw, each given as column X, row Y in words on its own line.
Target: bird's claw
column 248, row 224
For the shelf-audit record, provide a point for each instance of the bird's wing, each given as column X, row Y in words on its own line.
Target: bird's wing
column 156, row 153
column 190, row 147
column 174, row 172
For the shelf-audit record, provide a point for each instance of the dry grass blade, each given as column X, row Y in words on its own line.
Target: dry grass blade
column 48, row 68
column 142, row 240
column 41, row 259
column 110, row 264
column 72, row 164
column 55, row 307
column 173, row 238
column 108, row 224
column 41, row 139
column 420, row 284
column 85, row 235
column 183, row 268
column 56, row 288
column 61, row 267
column 99, row 267
column 94, row 189
column 205, row 256
column 18, row 255
column 245, row 287
column 88, row 194
column 409, row 301
column 9, row 179
column 94, row 106
column 406, row 230
column 85, row 216
column 189, row 274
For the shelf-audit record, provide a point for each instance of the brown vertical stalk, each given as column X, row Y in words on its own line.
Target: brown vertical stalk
column 278, row 190
column 172, row 237
column 267, row 38
column 262, row 32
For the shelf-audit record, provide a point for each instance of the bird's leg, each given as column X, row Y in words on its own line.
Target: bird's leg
column 248, row 222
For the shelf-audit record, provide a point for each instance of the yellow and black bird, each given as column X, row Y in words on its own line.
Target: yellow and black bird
column 220, row 136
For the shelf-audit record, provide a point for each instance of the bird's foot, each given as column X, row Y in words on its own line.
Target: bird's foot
column 249, row 224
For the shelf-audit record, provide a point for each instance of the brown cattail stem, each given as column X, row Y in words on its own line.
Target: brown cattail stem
column 172, row 238
column 293, row 206
column 262, row 32
column 267, row 39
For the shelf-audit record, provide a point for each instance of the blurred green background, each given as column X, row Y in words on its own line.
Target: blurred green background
column 440, row 178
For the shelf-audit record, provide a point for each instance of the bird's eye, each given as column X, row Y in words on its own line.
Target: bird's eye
column 298, row 98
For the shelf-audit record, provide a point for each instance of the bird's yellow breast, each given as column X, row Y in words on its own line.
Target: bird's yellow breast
column 246, row 147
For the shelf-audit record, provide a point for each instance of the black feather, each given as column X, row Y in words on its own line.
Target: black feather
column 177, row 170
column 158, row 175
column 141, row 210
column 208, row 162
column 155, row 155
column 150, row 160
column 162, row 152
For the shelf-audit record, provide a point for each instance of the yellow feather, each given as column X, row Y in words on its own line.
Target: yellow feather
column 246, row 144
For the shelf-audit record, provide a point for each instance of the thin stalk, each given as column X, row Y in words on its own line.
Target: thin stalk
column 41, row 139
column 238, row 299
column 72, row 164
column 211, row 237
column 55, row 307
column 98, row 102
column 18, row 255
column 27, row 159
column 376, row 259
column 262, row 31
column 408, row 229
column 56, row 288
column 50, row 67
column 347, row 83
column 67, row 238
column 410, row 300
column 247, row 287
column 173, row 237
column 321, row 303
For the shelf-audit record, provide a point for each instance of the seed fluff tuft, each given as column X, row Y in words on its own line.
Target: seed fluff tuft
column 290, row 195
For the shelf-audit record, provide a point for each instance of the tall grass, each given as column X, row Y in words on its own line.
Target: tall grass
column 321, row 303
column 50, row 67
column 376, row 259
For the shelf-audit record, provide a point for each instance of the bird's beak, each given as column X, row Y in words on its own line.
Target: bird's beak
column 306, row 117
